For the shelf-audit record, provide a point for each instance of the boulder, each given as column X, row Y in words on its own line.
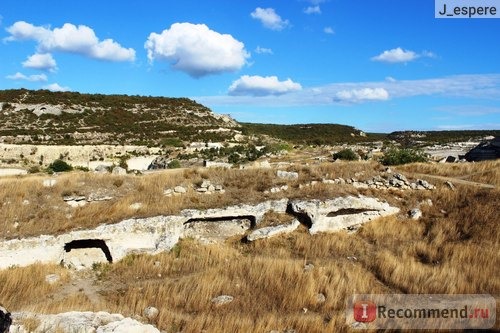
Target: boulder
column 287, row 175
column 222, row 300
column 415, row 214
column 160, row 162
column 127, row 325
column 180, row 189
column 320, row 298
column 82, row 322
column 101, row 169
column 119, row 171
column 151, row 312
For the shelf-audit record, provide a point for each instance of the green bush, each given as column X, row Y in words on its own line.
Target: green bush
column 346, row 155
column 60, row 166
column 395, row 156
column 174, row 164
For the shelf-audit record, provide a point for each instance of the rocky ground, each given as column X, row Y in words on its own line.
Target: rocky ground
column 295, row 202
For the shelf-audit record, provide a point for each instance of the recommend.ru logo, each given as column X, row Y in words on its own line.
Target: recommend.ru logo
column 400, row 311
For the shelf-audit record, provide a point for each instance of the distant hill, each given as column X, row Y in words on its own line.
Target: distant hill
column 313, row 134
column 440, row 137
column 72, row 118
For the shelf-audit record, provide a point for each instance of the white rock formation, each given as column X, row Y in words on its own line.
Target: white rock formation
column 81, row 322
column 148, row 235
column 257, row 211
column 340, row 213
column 287, row 175
column 268, row 232
column 80, row 249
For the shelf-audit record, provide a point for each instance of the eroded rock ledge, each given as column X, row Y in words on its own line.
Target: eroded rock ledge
column 84, row 322
column 80, row 249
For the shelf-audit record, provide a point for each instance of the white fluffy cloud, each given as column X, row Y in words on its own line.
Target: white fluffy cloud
column 56, row 87
column 475, row 86
column 197, row 50
column 400, row 55
column 396, row 55
column 269, row 18
column 262, row 86
column 362, row 95
column 31, row 78
column 312, row 10
column 43, row 61
column 70, row 38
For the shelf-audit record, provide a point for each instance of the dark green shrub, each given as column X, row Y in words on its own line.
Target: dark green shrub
column 174, row 164
column 60, row 166
column 395, row 156
column 346, row 155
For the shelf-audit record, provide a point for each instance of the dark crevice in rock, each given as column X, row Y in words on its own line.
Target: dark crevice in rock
column 87, row 244
column 302, row 217
column 350, row 211
column 251, row 218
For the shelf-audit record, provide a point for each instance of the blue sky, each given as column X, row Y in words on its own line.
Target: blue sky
column 380, row 65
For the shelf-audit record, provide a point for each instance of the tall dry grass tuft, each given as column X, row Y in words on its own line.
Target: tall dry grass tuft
column 26, row 288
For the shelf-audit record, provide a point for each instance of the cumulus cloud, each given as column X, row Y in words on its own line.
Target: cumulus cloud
column 262, row 86
column 328, row 30
column 269, row 18
column 474, row 86
column 70, row 38
column 399, row 55
column 31, row 78
column 56, row 87
column 197, row 50
column 43, row 61
column 396, row 55
column 263, row 50
column 312, row 10
column 362, row 95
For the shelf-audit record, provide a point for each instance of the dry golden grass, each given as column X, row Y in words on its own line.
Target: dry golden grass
column 452, row 249
column 487, row 172
column 27, row 208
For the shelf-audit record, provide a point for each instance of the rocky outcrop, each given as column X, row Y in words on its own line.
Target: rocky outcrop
column 107, row 243
column 81, row 322
column 149, row 235
column 487, row 150
column 339, row 213
column 160, row 162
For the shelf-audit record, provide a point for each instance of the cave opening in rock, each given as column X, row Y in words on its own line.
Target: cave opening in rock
column 251, row 218
column 302, row 217
column 87, row 244
column 350, row 211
